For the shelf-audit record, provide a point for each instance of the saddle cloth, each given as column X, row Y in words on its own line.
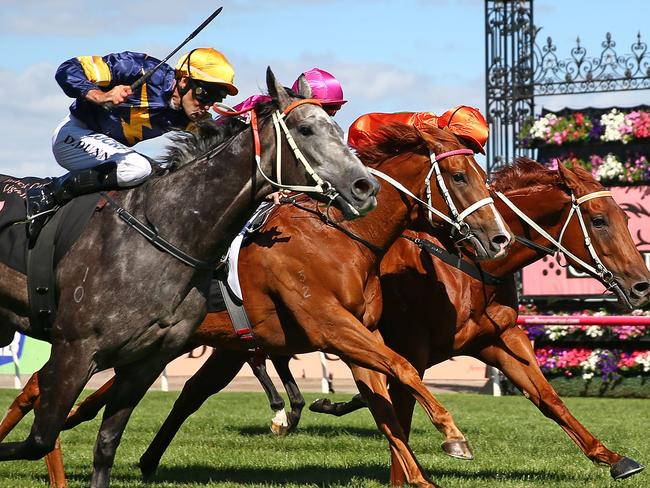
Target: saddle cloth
column 39, row 259
column 13, row 234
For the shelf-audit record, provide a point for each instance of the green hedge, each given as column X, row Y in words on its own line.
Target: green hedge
column 624, row 387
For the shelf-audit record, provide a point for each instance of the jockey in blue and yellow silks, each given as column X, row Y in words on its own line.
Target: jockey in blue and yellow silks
column 94, row 141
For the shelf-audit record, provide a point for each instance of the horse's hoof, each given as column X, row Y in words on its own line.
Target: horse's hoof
column 279, row 429
column 458, row 448
column 625, row 468
column 321, row 405
column 147, row 469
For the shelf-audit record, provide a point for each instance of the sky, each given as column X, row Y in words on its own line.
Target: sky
column 390, row 56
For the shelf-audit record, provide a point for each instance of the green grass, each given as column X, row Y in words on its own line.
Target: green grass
column 227, row 444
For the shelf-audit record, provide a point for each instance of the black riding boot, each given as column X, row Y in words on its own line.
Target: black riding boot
column 42, row 201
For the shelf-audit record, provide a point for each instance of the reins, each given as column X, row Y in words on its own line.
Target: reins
column 454, row 260
column 328, row 221
column 161, row 243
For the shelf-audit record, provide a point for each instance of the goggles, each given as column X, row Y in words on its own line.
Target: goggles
column 207, row 93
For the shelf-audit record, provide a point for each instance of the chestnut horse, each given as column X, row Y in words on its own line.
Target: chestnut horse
column 189, row 215
column 310, row 286
column 433, row 311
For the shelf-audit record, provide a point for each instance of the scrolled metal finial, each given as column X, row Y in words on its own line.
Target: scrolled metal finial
column 588, row 74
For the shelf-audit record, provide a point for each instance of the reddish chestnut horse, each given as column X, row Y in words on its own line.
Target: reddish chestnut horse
column 298, row 300
column 433, row 311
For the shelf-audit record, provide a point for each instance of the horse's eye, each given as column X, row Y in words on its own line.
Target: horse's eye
column 305, row 130
column 458, row 177
column 598, row 222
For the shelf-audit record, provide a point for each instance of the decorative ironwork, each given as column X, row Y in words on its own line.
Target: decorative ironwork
column 509, row 75
column 517, row 69
column 582, row 74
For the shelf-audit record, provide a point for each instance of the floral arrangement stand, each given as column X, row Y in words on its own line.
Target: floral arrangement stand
column 612, row 143
column 588, row 358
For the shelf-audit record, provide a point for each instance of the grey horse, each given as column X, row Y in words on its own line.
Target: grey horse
column 126, row 304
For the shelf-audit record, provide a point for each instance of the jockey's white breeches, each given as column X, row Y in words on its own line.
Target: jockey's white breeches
column 77, row 147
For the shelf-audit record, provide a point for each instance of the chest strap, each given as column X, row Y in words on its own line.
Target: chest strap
column 456, row 261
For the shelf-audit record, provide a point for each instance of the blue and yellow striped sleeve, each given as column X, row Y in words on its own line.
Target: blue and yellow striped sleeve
column 79, row 75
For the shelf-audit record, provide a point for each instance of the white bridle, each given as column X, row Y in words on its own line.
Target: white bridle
column 280, row 127
column 457, row 219
column 599, row 270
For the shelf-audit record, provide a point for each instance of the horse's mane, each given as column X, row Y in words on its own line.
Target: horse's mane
column 186, row 146
column 524, row 173
column 389, row 141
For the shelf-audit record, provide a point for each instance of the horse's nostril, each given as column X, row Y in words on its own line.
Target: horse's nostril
column 500, row 239
column 362, row 188
column 641, row 288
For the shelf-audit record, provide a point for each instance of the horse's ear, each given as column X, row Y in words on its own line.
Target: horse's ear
column 427, row 138
column 304, row 88
column 569, row 177
column 276, row 90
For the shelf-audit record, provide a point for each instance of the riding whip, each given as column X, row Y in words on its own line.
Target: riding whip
column 147, row 75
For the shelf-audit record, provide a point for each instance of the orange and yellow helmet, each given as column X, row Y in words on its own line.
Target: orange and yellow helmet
column 208, row 65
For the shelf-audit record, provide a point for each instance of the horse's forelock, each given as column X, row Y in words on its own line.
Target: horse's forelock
column 524, row 173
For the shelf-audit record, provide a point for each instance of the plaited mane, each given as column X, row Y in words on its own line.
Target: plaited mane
column 524, row 173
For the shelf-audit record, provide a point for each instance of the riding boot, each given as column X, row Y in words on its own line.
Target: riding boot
column 42, row 202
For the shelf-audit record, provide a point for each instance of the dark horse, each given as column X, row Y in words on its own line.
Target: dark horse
column 312, row 286
column 124, row 303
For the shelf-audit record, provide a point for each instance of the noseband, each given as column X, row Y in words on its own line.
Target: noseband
column 457, row 219
column 280, row 127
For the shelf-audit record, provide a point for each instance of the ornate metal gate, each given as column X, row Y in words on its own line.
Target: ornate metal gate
column 517, row 69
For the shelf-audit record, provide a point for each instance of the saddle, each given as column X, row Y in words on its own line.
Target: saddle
column 38, row 256
column 225, row 290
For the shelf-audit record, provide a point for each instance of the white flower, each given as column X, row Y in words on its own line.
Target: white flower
column 556, row 332
column 541, row 128
column 590, row 365
column 594, row 331
column 610, row 169
column 644, row 361
column 612, row 122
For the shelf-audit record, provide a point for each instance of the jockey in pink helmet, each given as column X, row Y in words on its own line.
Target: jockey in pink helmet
column 324, row 87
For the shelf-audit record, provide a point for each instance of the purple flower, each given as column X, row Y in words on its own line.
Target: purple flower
column 597, row 129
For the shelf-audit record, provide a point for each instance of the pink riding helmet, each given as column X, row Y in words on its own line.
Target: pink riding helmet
column 324, row 87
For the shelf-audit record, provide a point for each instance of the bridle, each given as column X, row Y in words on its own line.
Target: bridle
column 456, row 219
column 280, row 127
column 598, row 269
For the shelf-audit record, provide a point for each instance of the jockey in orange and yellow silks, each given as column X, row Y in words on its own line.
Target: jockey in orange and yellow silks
column 466, row 122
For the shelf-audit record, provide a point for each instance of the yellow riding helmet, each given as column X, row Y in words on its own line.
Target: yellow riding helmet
column 209, row 65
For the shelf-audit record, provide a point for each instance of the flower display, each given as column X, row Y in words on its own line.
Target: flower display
column 612, row 126
column 616, row 137
column 567, row 350
column 609, row 170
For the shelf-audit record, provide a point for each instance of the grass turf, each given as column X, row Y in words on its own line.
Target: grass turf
column 227, row 444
